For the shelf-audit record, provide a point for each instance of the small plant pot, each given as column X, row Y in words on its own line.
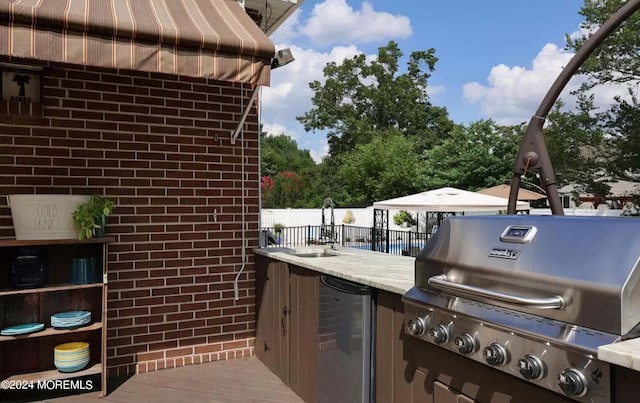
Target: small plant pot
column 102, row 231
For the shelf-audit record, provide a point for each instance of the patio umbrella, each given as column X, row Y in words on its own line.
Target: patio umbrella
column 448, row 200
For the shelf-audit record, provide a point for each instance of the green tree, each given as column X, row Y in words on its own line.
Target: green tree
column 384, row 168
column 281, row 153
column 362, row 98
column 288, row 173
column 616, row 59
column 475, row 156
column 624, row 138
column 575, row 142
column 284, row 191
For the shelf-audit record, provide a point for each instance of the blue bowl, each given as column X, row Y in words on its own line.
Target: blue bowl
column 72, row 368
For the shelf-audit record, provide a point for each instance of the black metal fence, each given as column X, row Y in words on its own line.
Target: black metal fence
column 393, row 241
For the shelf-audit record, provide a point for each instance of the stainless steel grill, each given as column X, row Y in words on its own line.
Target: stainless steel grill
column 532, row 296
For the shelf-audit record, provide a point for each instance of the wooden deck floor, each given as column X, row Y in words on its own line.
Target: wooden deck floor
column 233, row 381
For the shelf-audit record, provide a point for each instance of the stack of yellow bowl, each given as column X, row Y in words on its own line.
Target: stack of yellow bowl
column 71, row 357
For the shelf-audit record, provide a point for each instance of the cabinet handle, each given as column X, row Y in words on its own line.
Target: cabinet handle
column 283, row 321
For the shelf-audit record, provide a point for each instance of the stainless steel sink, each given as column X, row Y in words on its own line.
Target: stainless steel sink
column 314, row 254
column 311, row 253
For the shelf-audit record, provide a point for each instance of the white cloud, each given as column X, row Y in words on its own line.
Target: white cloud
column 513, row 94
column 336, row 22
column 318, row 155
column 288, row 31
column 582, row 32
column 275, row 129
column 435, row 90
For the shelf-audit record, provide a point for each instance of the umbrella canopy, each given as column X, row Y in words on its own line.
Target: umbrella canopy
column 503, row 191
column 447, row 200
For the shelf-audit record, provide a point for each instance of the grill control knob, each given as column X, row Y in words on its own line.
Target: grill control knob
column 416, row 326
column 572, row 382
column 465, row 343
column 531, row 367
column 439, row 334
column 495, row 354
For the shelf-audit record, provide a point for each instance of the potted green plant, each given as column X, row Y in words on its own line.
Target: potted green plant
column 349, row 218
column 91, row 216
column 404, row 219
column 277, row 228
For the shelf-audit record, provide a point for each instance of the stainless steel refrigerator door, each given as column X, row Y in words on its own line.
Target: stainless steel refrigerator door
column 345, row 342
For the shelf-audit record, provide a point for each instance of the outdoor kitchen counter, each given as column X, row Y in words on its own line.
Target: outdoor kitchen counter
column 395, row 274
column 625, row 354
column 391, row 273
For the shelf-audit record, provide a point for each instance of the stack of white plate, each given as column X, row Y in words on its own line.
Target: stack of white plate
column 64, row 320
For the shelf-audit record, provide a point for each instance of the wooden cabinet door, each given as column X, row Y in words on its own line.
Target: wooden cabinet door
column 303, row 338
column 444, row 394
column 272, row 315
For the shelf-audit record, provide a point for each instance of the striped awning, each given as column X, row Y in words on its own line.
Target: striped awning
column 200, row 38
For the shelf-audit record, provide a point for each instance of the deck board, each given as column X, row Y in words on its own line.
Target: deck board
column 234, row 381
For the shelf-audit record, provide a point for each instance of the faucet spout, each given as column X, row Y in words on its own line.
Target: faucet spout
column 328, row 231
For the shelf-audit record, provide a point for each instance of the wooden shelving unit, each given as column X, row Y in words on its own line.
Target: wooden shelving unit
column 29, row 357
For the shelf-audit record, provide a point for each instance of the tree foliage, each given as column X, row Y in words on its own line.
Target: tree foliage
column 623, row 124
column 475, row 156
column 575, row 142
column 386, row 167
column 280, row 153
column 361, row 98
column 616, row 59
column 283, row 191
column 288, row 173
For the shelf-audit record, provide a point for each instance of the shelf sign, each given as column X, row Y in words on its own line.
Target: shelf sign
column 20, row 86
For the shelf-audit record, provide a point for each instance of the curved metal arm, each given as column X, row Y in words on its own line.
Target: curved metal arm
column 533, row 151
column 440, row 282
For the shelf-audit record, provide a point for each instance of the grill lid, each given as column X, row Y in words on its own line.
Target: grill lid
column 579, row 270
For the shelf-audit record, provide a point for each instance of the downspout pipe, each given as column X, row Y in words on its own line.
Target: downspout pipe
column 240, row 132
column 533, row 152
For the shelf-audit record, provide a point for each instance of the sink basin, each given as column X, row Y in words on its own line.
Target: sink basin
column 311, row 253
column 314, row 254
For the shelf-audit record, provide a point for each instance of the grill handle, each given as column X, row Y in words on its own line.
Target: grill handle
column 440, row 282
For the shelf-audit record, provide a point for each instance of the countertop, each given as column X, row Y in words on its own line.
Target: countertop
column 391, row 273
column 624, row 353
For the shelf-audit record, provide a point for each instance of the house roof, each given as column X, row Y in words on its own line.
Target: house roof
column 503, row 191
column 618, row 188
column 202, row 38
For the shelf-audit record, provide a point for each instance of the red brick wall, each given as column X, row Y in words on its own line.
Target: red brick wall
column 160, row 146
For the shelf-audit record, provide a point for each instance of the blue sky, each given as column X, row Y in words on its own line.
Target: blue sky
column 497, row 58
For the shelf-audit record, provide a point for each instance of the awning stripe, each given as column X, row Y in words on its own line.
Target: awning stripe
column 202, row 38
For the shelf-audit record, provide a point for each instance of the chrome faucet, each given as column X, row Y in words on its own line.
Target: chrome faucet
column 328, row 234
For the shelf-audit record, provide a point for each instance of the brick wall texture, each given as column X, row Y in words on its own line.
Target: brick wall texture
column 159, row 145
